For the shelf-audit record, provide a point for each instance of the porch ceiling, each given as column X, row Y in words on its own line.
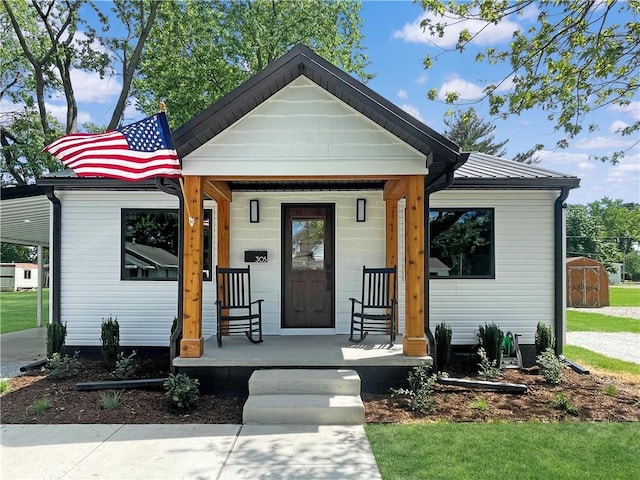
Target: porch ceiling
column 304, row 185
column 25, row 216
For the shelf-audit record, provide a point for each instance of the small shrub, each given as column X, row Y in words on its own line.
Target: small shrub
column 4, row 385
column 611, row 390
column 550, row 367
column 479, row 403
column 544, row 338
column 562, row 402
column 491, row 341
column 420, row 393
column 59, row 366
column 487, row 368
column 56, row 335
column 443, row 346
column 39, row 405
column 181, row 391
column 126, row 367
column 110, row 401
column 110, row 336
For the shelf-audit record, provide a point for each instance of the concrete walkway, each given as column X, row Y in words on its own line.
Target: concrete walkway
column 225, row 452
column 18, row 349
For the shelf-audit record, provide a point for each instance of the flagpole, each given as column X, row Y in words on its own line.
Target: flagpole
column 192, row 221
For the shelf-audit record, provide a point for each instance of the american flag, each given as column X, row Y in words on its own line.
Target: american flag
column 135, row 152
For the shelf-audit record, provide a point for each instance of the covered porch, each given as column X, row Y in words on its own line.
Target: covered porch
column 302, row 132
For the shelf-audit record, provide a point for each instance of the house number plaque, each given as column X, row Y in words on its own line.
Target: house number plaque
column 255, row 256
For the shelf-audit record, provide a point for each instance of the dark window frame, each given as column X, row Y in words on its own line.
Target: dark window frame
column 207, row 243
column 492, row 264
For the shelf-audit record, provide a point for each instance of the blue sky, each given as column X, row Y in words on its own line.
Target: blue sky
column 396, row 47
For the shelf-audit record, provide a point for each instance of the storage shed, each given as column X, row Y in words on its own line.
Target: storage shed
column 587, row 283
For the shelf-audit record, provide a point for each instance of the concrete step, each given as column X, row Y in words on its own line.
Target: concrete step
column 304, row 381
column 303, row 409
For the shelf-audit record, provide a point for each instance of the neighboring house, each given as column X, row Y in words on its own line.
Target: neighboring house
column 145, row 261
column 310, row 143
column 18, row 276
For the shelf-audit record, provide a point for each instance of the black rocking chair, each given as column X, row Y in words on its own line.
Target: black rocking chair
column 236, row 312
column 376, row 310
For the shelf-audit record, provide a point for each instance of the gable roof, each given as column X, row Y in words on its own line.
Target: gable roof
column 488, row 171
column 440, row 153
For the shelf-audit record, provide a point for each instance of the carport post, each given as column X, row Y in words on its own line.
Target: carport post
column 40, row 285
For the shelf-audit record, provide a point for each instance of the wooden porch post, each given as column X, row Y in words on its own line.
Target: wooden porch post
column 223, row 233
column 414, row 342
column 192, row 344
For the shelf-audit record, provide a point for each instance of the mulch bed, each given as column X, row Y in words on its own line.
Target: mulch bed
column 455, row 404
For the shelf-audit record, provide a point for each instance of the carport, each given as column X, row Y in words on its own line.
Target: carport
column 25, row 219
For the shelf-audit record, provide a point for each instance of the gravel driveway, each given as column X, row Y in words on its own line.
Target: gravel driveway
column 623, row 346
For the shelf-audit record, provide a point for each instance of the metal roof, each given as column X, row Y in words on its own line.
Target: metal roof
column 483, row 170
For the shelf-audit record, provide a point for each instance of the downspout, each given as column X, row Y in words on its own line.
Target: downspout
column 176, row 334
column 55, row 254
column 434, row 187
column 559, row 268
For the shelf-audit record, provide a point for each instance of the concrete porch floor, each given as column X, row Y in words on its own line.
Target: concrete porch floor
column 302, row 351
column 227, row 370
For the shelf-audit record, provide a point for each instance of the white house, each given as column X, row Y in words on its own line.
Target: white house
column 304, row 142
column 18, row 276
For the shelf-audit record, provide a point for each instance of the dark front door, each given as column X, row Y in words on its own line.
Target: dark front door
column 308, row 266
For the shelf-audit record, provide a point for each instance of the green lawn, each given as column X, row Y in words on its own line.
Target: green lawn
column 624, row 296
column 506, row 450
column 588, row 358
column 589, row 321
column 18, row 310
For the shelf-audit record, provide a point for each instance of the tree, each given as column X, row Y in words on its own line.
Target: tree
column 473, row 134
column 219, row 44
column 12, row 253
column 606, row 230
column 586, row 237
column 187, row 54
column 578, row 57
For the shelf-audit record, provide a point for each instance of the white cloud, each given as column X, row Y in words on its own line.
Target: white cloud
column 422, row 79
column 466, row 90
column 603, row 143
column 633, row 109
column 413, row 111
column 597, row 179
column 487, row 33
column 90, row 88
column 60, row 113
column 617, row 126
column 402, row 93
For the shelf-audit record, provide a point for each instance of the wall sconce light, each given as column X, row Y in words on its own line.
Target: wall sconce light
column 254, row 211
column 361, row 209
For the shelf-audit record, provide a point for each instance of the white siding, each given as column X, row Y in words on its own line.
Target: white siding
column 357, row 244
column 90, row 270
column 303, row 130
column 522, row 293
column 90, row 273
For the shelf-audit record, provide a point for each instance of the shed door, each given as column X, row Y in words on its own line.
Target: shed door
column 308, row 291
column 584, row 286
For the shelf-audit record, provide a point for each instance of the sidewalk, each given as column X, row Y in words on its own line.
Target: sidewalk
column 225, row 452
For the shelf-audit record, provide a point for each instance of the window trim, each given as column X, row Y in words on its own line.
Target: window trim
column 492, row 274
column 208, row 215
